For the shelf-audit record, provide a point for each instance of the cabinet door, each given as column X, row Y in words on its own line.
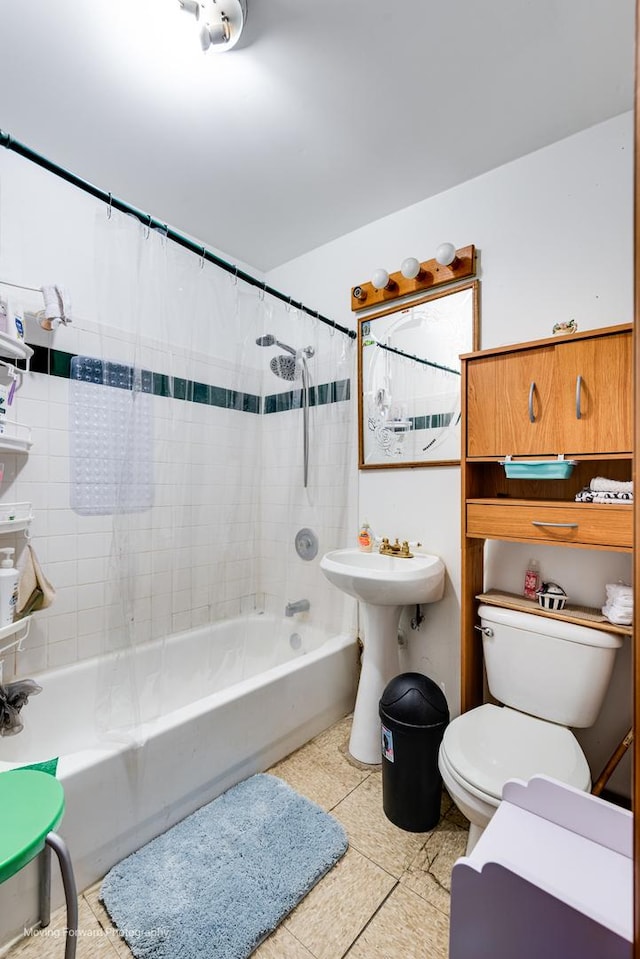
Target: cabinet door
column 510, row 404
column 594, row 394
column 482, row 407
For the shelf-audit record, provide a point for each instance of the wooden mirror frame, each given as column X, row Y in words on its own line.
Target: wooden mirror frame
column 636, row 510
column 474, row 286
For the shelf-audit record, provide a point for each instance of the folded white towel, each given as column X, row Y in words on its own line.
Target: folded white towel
column 618, row 606
column 57, row 304
column 618, row 616
column 52, row 305
column 600, row 484
column 617, row 592
column 65, row 302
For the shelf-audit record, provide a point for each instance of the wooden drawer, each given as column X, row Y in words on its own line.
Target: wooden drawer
column 607, row 527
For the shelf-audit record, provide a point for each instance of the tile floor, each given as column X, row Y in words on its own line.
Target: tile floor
column 387, row 898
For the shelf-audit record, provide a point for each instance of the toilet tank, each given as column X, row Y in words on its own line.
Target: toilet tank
column 547, row 667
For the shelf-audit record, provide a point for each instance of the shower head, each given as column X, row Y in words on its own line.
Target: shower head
column 269, row 340
column 286, row 367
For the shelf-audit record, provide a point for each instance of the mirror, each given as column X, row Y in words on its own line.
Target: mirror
column 409, row 379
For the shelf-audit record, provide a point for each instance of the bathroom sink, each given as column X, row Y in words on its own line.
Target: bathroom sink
column 383, row 585
column 385, row 580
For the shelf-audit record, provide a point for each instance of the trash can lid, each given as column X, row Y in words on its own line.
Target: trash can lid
column 414, row 700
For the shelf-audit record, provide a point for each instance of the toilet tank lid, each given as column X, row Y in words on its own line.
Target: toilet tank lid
column 548, row 626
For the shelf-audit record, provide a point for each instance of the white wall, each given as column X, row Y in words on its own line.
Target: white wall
column 554, row 234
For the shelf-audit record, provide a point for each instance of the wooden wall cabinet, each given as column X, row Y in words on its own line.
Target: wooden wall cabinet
column 571, row 396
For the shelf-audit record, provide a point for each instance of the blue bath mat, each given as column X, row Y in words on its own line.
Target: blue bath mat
column 216, row 884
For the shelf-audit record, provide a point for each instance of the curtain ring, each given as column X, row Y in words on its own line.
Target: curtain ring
column 262, row 291
column 109, row 208
column 148, row 229
column 235, row 275
column 332, row 328
column 202, row 259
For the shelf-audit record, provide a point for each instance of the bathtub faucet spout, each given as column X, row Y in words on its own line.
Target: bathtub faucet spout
column 300, row 606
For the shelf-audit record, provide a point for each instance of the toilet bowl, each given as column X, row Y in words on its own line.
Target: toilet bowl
column 549, row 675
column 487, row 746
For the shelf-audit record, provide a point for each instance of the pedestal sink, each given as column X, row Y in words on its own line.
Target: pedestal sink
column 383, row 585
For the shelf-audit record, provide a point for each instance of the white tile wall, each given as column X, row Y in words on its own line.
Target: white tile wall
column 219, row 538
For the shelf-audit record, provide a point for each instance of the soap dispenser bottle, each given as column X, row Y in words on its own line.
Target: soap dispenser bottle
column 365, row 538
column 532, row 579
column 8, row 587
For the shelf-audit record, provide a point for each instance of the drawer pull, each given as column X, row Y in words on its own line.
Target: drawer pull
column 532, row 389
column 536, row 522
column 578, row 392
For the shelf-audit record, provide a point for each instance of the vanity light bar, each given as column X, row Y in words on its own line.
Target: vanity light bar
column 431, row 274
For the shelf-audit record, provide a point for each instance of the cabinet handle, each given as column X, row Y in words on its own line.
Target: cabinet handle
column 578, row 392
column 535, row 522
column 532, row 388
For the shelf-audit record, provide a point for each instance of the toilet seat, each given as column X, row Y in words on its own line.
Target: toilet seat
column 489, row 745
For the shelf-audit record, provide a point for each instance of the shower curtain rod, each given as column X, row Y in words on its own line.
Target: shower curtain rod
column 113, row 202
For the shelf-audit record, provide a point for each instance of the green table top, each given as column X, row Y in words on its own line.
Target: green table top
column 31, row 805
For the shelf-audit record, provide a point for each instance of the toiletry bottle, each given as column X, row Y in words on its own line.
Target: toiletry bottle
column 8, row 587
column 15, row 321
column 365, row 538
column 532, row 579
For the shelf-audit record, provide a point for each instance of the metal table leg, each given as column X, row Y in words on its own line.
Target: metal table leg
column 44, row 886
column 59, row 846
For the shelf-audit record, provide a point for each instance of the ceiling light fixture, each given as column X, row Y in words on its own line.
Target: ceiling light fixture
column 221, row 23
column 448, row 266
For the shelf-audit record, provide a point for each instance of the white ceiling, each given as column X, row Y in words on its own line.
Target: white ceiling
column 331, row 113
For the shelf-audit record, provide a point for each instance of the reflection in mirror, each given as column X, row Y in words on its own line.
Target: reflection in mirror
column 409, row 379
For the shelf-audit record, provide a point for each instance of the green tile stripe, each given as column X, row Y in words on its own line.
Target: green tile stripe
column 336, row 392
column 434, row 421
column 58, row 363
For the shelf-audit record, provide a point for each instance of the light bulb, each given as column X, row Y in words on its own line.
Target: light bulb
column 380, row 279
column 410, row 268
column 222, row 29
column 445, row 254
column 214, row 33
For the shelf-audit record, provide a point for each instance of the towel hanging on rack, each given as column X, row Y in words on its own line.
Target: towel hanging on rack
column 34, row 589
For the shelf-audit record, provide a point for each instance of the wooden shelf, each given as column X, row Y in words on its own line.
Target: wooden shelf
column 580, row 615
column 535, row 400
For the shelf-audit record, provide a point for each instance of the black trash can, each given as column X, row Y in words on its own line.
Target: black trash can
column 414, row 715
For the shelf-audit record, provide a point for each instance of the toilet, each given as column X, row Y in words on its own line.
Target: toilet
column 548, row 674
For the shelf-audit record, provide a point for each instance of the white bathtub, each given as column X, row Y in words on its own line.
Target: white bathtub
column 235, row 700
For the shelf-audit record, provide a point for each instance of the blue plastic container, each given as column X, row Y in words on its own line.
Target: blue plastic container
column 539, row 469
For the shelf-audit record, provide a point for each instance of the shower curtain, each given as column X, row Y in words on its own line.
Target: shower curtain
column 187, row 458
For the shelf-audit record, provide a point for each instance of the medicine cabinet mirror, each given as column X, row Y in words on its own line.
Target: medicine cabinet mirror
column 409, row 379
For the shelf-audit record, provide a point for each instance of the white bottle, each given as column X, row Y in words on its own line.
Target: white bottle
column 8, row 587
column 15, row 321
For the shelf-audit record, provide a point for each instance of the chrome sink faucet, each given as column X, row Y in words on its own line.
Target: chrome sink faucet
column 300, row 606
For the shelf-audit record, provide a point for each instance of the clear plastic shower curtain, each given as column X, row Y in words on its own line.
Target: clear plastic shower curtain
column 204, row 444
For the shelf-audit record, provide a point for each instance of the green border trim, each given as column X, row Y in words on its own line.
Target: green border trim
column 58, row 363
